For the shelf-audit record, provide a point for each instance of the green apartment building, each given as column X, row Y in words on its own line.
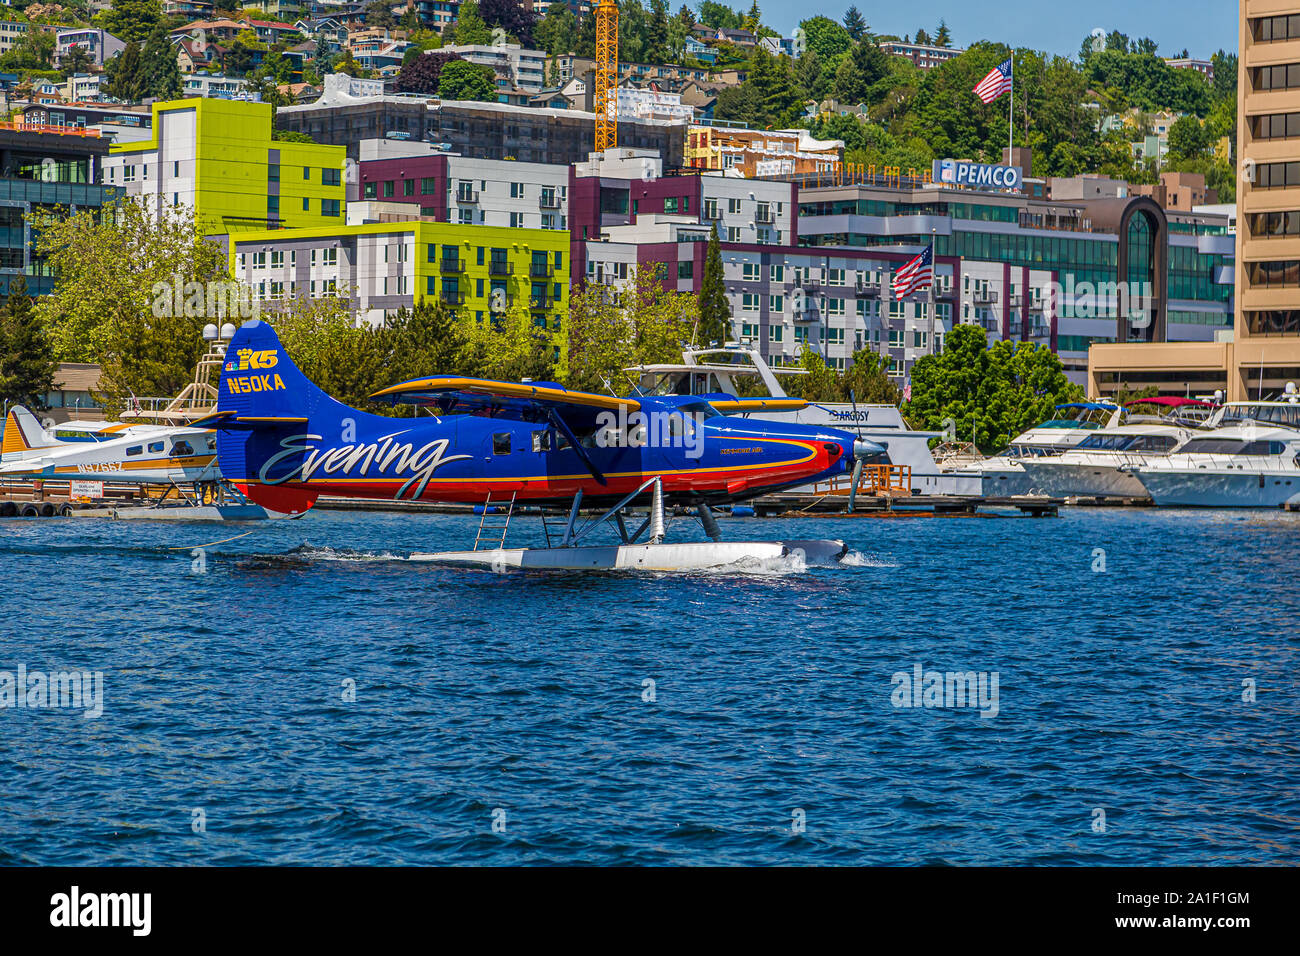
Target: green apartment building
column 481, row 272
column 217, row 157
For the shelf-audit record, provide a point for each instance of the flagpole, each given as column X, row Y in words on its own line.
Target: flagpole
column 1011, row 106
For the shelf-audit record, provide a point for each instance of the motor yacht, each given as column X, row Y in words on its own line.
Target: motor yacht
column 1250, row 460
column 1004, row 475
column 1101, row 465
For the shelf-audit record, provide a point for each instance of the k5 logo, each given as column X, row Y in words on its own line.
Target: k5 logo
column 266, row 358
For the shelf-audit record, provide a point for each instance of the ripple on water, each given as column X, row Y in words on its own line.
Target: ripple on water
column 331, row 702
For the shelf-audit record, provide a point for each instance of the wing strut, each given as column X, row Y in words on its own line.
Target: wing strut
column 564, row 428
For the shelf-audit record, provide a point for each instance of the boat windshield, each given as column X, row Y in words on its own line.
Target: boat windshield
column 1285, row 415
column 1232, row 446
column 1030, row 451
column 1127, row 443
column 1068, row 423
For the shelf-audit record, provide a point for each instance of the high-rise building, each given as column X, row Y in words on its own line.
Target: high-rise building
column 1261, row 353
column 1266, row 350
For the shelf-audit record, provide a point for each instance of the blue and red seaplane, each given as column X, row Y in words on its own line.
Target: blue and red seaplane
column 284, row 442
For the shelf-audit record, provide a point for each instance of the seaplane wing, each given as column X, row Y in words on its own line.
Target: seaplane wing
column 730, row 405
column 526, row 401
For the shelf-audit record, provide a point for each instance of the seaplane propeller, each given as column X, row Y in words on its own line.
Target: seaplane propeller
column 862, row 450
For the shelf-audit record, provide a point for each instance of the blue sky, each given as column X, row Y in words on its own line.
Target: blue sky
column 1202, row 26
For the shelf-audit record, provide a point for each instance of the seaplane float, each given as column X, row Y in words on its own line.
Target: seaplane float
column 283, row 443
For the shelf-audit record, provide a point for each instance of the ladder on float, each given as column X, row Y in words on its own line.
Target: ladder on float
column 492, row 533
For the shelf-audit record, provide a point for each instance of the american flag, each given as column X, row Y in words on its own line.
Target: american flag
column 916, row 275
column 996, row 83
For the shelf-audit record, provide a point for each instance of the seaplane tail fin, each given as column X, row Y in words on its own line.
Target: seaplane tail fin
column 23, row 435
column 266, row 408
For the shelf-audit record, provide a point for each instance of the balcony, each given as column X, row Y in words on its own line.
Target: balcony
column 467, row 196
column 549, row 201
column 764, row 216
column 711, row 212
column 870, row 290
column 452, row 298
column 541, row 270
column 808, row 282
column 986, row 297
column 499, row 267
column 451, row 265
column 542, row 301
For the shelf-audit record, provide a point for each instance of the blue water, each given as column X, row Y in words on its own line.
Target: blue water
column 519, row 697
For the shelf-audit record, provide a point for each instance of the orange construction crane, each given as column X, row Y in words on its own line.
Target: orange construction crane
column 606, row 75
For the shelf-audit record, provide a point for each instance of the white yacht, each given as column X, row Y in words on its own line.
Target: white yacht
column 1004, row 475
column 1250, row 460
column 737, row 370
column 1101, row 465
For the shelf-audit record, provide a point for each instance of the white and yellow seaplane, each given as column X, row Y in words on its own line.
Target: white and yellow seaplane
column 181, row 458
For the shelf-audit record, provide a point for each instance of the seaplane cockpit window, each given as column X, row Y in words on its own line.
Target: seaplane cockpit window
column 135, row 450
column 155, row 446
column 501, row 443
column 542, row 441
column 182, row 449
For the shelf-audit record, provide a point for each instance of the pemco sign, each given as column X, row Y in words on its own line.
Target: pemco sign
column 954, row 172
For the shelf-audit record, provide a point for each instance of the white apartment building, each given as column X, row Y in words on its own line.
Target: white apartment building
column 514, row 66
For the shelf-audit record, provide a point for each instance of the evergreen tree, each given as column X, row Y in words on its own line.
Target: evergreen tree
column 27, row 364
column 753, row 19
column 470, row 30
column 130, row 20
column 586, row 42
column 657, row 32
column 160, row 72
column 126, row 80
column 715, row 309
column 557, row 33
column 941, row 36
column 855, row 23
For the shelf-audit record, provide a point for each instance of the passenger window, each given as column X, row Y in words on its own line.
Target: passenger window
column 134, row 450
column 156, row 446
column 541, row 441
column 182, row 449
column 501, row 443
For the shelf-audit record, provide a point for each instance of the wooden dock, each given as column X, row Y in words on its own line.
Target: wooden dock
column 796, row 505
